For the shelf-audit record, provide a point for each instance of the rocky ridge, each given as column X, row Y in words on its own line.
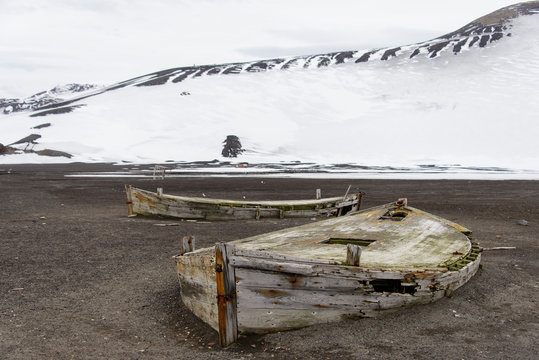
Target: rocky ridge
column 44, row 98
column 477, row 34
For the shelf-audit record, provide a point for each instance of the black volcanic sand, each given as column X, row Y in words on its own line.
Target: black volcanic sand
column 79, row 279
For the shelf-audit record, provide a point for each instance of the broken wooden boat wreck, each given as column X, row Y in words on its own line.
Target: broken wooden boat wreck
column 201, row 208
column 363, row 264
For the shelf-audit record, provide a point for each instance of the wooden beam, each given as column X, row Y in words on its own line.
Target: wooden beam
column 359, row 196
column 226, row 294
column 353, row 253
column 129, row 202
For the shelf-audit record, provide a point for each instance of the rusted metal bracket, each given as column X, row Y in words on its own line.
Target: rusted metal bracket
column 226, row 294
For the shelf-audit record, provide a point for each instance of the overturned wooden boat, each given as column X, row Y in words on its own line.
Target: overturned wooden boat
column 363, row 264
column 201, row 208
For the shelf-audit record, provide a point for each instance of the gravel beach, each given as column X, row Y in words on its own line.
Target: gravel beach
column 81, row 280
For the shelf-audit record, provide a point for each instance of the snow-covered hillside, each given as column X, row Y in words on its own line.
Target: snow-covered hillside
column 466, row 98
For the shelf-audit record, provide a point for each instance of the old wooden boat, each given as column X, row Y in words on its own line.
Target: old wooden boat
column 201, row 208
column 363, row 264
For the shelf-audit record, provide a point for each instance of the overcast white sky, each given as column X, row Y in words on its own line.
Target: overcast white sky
column 44, row 43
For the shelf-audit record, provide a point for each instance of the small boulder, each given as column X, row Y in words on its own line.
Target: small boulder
column 522, row 222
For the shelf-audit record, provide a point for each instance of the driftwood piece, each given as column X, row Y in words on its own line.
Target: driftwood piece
column 226, row 294
column 500, row 248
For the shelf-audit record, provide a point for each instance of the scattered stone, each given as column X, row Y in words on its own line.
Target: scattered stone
column 50, row 152
column 498, row 236
column 522, row 222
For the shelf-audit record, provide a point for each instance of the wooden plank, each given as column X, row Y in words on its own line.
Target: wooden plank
column 347, row 191
column 358, row 205
column 198, row 286
column 300, row 299
column 256, row 320
column 274, row 256
column 226, row 294
column 280, row 281
column 262, row 264
column 317, row 269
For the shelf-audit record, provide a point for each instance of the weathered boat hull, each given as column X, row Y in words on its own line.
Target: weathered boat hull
column 263, row 291
column 142, row 202
column 281, row 295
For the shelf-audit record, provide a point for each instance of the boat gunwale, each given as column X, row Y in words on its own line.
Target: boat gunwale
column 244, row 203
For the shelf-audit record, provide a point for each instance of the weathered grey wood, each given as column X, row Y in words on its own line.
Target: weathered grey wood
column 185, row 245
column 273, row 256
column 347, row 191
column 313, row 269
column 149, row 203
column 226, row 294
column 300, row 299
column 294, row 277
column 188, row 244
column 281, row 315
column 129, row 196
column 318, row 193
column 292, row 268
column 256, row 321
column 358, row 205
column 279, row 280
column 159, row 191
column 353, row 254
column 198, row 286
column 500, row 248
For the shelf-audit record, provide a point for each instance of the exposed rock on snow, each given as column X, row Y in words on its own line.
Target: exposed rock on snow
column 44, row 98
column 462, row 98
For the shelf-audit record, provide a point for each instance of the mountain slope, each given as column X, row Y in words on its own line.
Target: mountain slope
column 466, row 97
